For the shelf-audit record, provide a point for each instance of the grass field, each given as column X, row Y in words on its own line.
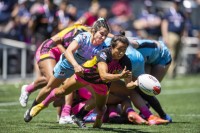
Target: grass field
column 180, row 98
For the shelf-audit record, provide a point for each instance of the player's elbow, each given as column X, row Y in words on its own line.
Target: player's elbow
column 104, row 77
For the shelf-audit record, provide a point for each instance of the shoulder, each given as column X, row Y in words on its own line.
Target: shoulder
column 107, row 42
column 83, row 36
column 125, row 61
column 105, row 55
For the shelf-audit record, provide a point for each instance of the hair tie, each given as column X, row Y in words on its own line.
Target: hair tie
column 101, row 19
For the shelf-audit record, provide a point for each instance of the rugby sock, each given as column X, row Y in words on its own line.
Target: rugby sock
column 34, row 103
column 129, row 110
column 51, row 97
column 82, row 113
column 145, row 111
column 77, row 107
column 66, row 110
column 112, row 111
column 154, row 103
column 30, row 88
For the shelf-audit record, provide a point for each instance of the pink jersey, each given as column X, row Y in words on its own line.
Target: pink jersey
column 47, row 50
column 101, row 89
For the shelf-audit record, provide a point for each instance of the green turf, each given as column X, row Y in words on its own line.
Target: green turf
column 180, row 98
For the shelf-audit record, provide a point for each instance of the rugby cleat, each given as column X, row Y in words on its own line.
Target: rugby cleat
column 91, row 117
column 27, row 117
column 66, row 120
column 155, row 120
column 23, row 99
column 135, row 118
column 36, row 109
column 79, row 122
column 167, row 117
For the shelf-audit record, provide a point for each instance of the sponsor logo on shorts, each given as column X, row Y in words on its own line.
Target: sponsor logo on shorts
column 61, row 73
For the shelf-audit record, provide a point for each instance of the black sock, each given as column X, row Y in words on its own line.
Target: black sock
column 153, row 102
column 34, row 103
column 82, row 113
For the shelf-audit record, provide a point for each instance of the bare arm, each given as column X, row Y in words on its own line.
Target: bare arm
column 61, row 48
column 134, row 43
column 70, row 57
column 105, row 76
column 130, row 84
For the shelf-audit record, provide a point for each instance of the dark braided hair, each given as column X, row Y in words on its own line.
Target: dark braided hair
column 119, row 38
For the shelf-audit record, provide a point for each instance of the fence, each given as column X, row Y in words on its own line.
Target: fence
column 19, row 52
column 188, row 62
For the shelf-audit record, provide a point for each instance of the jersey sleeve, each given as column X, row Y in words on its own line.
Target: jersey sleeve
column 103, row 56
column 81, row 38
column 146, row 44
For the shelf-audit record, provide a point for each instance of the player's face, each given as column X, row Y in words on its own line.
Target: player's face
column 100, row 36
column 119, row 51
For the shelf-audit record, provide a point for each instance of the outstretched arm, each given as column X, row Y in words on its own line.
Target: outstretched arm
column 105, row 76
column 69, row 54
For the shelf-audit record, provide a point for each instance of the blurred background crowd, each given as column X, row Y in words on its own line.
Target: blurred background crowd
column 33, row 21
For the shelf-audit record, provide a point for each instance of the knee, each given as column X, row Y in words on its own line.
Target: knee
column 44, row 80
column 60, row 92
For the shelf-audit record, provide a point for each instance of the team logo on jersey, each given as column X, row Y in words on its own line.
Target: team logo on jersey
column 103, row 55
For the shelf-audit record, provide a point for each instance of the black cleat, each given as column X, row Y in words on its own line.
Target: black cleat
column 27, row 117
column 79, row 122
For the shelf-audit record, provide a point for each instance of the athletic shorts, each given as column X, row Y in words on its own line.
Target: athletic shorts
column 44, row 52
column 64, row 69
column 101, row 89
column 164, row 57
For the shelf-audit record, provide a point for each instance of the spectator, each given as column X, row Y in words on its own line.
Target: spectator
column 103, row 12
column 21, row 17
column 172, row 30
column 72, row 11
column 189, row 25
column 64, row 18
column 43, row 22
column 6, row 7
column 149, row 22
column 122, row 19
column 89, row 17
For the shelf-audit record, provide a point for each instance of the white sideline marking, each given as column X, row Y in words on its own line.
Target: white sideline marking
column 164, row 92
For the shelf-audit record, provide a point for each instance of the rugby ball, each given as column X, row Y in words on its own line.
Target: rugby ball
column 149, row 84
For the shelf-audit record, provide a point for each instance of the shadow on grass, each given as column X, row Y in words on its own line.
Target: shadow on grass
column 70, row 127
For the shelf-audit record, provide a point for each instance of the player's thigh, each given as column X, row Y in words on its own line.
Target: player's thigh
column 159, row 71
column 113, row 99
column 101, row 100
column 119, row 87
column 46, row 67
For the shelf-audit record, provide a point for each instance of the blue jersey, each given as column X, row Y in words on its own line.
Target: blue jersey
column 137, row 60
column 86, row 51
column 154, row 53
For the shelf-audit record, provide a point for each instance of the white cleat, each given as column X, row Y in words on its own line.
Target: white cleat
column 66, row 120
column 23, row 99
